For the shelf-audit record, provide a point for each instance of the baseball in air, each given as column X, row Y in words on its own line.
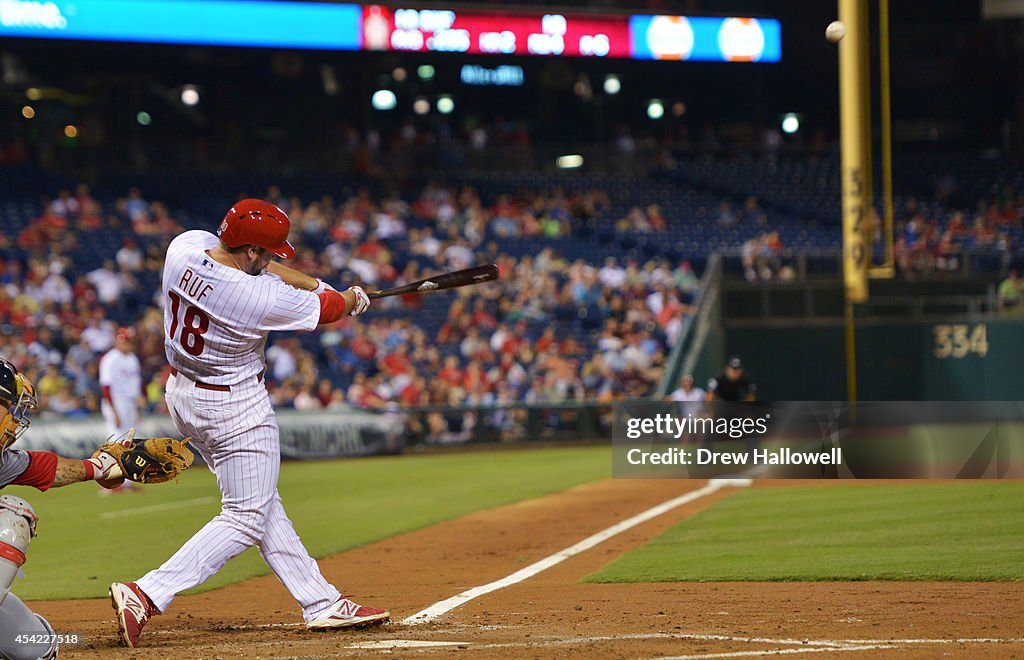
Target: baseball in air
column 835, row 31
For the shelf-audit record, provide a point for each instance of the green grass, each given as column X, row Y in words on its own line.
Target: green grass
column 960, row 531
column 335, row 505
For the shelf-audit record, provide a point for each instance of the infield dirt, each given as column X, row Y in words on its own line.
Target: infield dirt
column 552, row 614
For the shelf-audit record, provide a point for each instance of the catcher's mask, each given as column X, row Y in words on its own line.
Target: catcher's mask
column 17, row 403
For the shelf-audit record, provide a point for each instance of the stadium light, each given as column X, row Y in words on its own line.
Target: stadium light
column 28, row 112
column 425, row 72
column 790, row 123
column 399, row 74
column 655, row 109
column 569, row 161
column 384, row 99
column 421, row 106
column 445, row 104
column 144, row 118
column 612, row 84
column 71, row 131
column 189, row 95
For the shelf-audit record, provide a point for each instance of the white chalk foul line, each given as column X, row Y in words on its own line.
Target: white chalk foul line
column 404, row 644
column 447, row 605
column 822, row 645
column 850, row 642
column 158, row 507
column 803, row 645
column 839, row 644
column 959, row 640
column 747, row 654
column 773, row 640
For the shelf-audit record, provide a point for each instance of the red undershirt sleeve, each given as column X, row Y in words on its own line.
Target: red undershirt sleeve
column 332, row 306
column 106, row 394
column 42, row 469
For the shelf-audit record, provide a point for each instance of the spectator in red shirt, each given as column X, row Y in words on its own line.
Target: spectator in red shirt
column 396, row 363
column 411, row 394
column 370, row 249
column 325, row 392
column 482, row 318
column 475, row 378
column 546, row 339
column 363, row 347
column 450, row 372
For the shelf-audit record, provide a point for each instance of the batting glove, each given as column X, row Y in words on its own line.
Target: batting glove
column 104, row 465
column 362, row 301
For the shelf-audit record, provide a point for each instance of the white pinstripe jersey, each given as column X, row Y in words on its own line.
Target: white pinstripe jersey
column 122, row 373
column 216, row 318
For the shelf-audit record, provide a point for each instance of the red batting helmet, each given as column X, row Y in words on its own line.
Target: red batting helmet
column 255, row 222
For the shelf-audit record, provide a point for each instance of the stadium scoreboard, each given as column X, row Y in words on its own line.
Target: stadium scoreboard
column 342, row 26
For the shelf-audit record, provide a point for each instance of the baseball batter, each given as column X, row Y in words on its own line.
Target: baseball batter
column 24, row 634
column 221, row 299
column 121, row 383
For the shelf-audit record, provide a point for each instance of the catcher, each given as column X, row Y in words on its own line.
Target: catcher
column 143, row 460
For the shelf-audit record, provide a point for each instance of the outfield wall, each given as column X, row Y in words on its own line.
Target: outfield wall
column 330, row 434
column 934, row 361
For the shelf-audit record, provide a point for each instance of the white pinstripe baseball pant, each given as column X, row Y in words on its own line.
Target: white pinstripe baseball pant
column 127, row 410
column 236, row 433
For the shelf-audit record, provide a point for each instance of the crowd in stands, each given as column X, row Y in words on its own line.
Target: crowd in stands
column 551, row 329
column 761, row 257
column 924, row 244
column 548, row 330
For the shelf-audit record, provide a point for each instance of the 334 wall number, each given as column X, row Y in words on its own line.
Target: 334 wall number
column 958, row 340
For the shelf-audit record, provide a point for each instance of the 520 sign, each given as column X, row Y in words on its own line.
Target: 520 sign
column 958, row 340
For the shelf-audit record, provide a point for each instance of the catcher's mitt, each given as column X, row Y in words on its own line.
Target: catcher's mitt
column 147, row 460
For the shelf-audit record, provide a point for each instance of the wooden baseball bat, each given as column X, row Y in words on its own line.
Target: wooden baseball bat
column 452, row 280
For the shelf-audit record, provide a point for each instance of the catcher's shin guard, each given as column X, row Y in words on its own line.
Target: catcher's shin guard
column 17, row 527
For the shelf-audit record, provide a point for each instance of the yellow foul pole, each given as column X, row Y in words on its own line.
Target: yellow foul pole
column 855, row 146
column 888, row 266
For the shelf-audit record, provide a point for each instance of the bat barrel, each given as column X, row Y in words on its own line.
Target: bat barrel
column 442, row 281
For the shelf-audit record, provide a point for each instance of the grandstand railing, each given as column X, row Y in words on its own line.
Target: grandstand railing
column 514, row 422
column 915, row 308
column 828, row 263
column 819, row 301
column 693, row 336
